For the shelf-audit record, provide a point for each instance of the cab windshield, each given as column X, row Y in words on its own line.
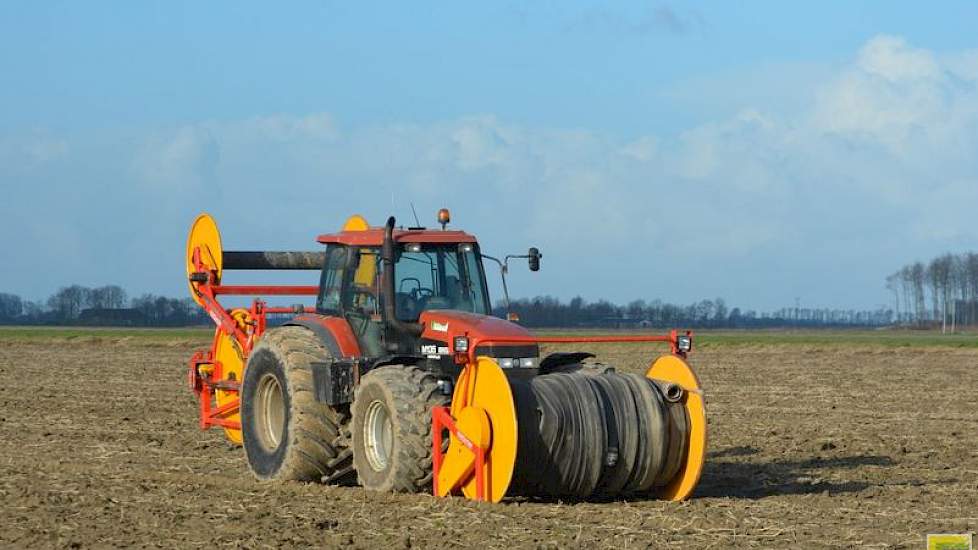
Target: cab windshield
column 428, row 276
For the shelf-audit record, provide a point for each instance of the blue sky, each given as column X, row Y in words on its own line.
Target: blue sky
column 757, row 152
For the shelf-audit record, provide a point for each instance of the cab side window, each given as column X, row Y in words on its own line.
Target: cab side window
column 363, row 291
column 331, row 284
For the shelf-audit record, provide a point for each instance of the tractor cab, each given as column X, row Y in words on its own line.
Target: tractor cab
column 408, row 294
column 430, row 269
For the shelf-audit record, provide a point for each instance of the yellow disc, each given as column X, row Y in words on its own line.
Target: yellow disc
column 205, row 236
column 226, row 352
column 671, row 368
column 356, row 222
column 488, row 389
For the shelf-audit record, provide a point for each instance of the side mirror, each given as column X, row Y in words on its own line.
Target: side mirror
column 534, row 259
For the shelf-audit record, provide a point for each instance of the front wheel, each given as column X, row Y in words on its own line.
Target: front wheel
column 391, row 428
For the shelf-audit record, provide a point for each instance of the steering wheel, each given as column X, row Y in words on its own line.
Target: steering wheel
column 415, row 280
column 422, row 293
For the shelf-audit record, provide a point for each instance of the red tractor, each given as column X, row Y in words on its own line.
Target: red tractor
column 401, row 379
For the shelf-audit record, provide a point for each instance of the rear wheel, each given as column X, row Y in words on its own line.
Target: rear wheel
column 391, row 428
column 288, row 435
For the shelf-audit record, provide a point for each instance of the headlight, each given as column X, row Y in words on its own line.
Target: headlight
column 461, row 344
column 684, row 343
column 517, row 362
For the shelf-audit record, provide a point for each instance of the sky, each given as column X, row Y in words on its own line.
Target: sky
column 761, row 152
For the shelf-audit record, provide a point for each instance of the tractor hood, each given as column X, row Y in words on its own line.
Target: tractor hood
column 444, row 325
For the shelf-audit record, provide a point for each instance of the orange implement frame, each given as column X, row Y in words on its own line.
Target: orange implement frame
column 441, row 419
column 206, row 373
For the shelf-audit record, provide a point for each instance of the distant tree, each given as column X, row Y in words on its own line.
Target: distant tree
column 109, row 297
column 917, row 273
column 163, row 311
column 720, row 311
column 970, row 268
column 146, row 304
column 636, row 309
column 892, row 284
column 33, row 311
column 704, row 311
column 192, row 312
column 68, row 301
column 735, row 318
column 939, row 280
column 11, row 306
column 944, row 289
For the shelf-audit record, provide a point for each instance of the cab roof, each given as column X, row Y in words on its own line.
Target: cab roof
column 374, row 236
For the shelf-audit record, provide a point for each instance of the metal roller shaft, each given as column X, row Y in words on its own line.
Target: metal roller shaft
column 274, row 260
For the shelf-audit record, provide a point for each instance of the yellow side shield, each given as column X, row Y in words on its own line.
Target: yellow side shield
column 671, row 368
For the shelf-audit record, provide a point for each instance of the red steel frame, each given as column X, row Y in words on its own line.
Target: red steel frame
column 206, row 385
column 441, row 417
column 672, row 339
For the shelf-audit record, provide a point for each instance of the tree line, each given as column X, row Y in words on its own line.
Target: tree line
column 944, row 291
column 547, row 311
column 111, row 306
column 105, row 305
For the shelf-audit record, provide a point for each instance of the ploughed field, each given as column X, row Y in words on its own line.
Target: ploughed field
column 816, row 440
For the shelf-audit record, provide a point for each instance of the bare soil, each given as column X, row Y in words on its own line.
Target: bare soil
column 810, row 446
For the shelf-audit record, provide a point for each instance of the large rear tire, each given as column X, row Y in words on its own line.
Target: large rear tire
column 288, row 435
column 391, row 428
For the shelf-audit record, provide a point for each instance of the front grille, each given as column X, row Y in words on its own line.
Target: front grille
column 531, row 350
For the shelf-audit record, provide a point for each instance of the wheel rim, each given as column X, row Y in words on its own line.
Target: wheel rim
column 270, row 412
column 378, row 436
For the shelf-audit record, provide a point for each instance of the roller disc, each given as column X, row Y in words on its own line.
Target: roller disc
column 356, row 222
column 487, row 388
column 205, row 236
column 671, row 368
column 232, row 368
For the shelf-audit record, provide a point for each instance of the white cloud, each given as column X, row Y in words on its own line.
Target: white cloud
column 316, row 127
column 879, row 157
column 33, row 149
column 902, row 98
column 891, row 58
column 184, row 160
column 479, row 143
column 642, row 149
column 873, row 168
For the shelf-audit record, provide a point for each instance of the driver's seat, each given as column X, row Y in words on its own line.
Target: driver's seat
column 456, row 294
column 407, row 307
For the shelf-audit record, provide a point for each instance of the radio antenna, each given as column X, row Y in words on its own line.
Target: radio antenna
column 417, row 222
